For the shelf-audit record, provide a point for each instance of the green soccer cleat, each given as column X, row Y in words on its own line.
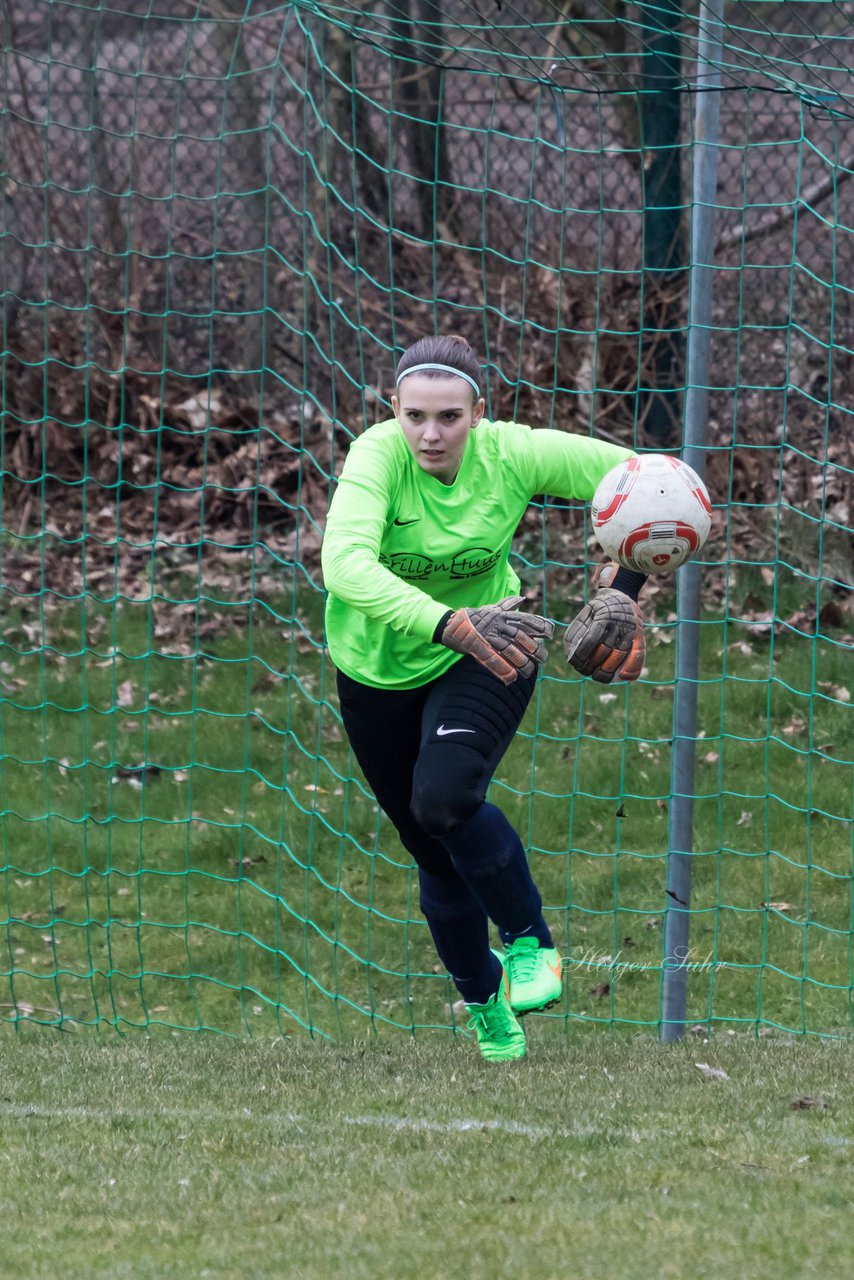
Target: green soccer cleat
column 499, row 1035
column 535, row 975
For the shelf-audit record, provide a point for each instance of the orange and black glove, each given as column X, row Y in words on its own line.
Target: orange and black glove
column 506, row 642
column 606, row 640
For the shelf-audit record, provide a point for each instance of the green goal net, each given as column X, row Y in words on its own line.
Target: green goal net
column 221, row 223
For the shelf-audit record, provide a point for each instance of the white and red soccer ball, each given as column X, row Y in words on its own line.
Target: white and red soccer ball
column 651, row 513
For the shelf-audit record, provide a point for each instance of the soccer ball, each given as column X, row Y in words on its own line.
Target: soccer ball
column 651, row 513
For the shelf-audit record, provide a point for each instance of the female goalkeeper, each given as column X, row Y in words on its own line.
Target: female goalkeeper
column 436, row 664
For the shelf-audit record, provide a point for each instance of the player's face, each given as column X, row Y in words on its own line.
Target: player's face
column 436, row 415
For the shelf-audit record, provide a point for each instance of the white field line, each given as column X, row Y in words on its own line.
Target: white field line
column 276, row 1120
column 409, row 1124
column 399, row 1124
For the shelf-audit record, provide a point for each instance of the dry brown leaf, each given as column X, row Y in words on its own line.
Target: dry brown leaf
column 124, row 694
column 802, row 620
column 760, row 624
column 831, row 614
column 246, row 863
column 711, row 1073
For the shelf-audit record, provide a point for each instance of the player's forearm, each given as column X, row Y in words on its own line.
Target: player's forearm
column 354, row 574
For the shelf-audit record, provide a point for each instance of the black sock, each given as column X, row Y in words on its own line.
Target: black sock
column 488, row 855
column 540, row 931
column 629, row 582
column 460, row 932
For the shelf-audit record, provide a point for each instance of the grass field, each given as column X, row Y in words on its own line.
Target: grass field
column 195, row 1157
column 186, row 845
column 186, row 841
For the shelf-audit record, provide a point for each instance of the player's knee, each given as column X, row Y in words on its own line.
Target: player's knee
column 439, row 807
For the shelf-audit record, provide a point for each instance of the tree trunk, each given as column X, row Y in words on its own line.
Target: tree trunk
column 665, row 277
column 420, row 85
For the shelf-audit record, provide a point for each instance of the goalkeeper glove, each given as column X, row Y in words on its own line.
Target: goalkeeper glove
column 606, row 640
column 506, row 642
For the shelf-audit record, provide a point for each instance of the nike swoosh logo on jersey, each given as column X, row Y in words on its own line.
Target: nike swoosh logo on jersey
column 442, row 732
column 402, row 523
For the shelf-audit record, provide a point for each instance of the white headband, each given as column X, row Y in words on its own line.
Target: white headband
column 444, row 368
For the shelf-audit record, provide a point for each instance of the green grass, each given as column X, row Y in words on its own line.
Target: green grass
column 197, row 1157
column 247, row 883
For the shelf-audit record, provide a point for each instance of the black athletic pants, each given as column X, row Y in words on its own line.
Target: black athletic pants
column 429, row 755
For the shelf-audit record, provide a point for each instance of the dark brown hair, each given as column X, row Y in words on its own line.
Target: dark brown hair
column 449, row 349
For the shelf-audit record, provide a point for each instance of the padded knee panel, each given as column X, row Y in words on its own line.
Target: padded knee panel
column 447, row 789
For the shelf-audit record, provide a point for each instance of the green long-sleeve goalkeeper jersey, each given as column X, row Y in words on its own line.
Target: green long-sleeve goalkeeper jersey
column 402, row 548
